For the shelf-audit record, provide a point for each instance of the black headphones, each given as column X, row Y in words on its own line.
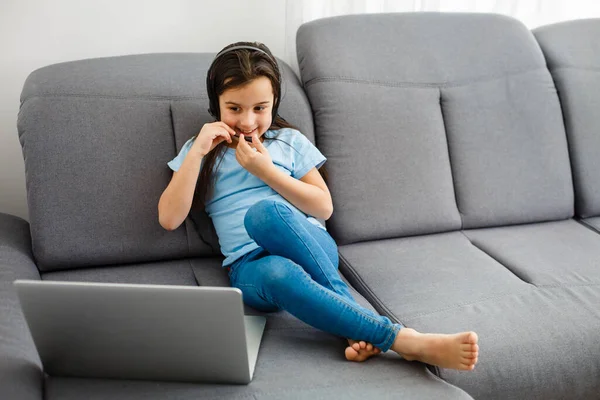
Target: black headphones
column 213, row 100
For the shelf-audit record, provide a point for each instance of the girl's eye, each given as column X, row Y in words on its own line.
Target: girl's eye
column 234, row 109
column 259, row 108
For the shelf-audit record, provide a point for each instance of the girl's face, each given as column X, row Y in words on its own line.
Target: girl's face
column 248, row 109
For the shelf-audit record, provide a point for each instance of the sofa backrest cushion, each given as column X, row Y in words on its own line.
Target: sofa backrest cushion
column 433, row 122
column 572, row 51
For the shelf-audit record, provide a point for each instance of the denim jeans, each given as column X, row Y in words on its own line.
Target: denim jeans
column 296, row 269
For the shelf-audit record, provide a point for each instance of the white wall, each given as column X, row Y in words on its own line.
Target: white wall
column 36, row 33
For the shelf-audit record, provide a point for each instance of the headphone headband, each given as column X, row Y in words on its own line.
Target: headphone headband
column 240, row 47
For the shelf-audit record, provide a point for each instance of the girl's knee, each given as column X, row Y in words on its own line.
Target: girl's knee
column 261, row 215
column 279, row 273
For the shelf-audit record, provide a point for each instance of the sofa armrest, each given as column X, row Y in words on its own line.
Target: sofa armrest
column 21, row 373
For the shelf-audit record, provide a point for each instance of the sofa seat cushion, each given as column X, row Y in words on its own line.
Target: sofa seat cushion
column 593, row 222
column 547, row 254
column 542, row 343
column 174, row 272
column 406, row 277
column 531, row 292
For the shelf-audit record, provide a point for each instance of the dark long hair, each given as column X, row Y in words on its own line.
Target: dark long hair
column 232, row 69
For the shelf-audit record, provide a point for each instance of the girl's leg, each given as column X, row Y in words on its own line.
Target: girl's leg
column 324, row 301
column 286, row 232
column 282, row 230
column 270, row 282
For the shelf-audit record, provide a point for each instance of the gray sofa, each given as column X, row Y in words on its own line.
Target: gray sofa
column 462, row 160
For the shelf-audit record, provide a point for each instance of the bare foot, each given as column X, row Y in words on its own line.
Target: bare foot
column 457, row 351
column 360, row 351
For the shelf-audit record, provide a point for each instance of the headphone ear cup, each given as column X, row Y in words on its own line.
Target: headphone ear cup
column 210, row 91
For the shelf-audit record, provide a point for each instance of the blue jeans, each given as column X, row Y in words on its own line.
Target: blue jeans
column 296, row 269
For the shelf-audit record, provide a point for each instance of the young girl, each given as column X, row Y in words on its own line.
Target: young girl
column 259, row 182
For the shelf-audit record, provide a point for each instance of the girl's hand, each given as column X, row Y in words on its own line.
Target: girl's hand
column 254, row 159
column 210, row 136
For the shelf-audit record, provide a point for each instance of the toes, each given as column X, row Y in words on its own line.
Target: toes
column 363, row 344
column 472, row 338
column 350, row 353
column 356, row 346
column 369, row 347
column 469, row 347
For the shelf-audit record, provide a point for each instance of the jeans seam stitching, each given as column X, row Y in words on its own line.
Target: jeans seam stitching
column 277, row 205
column 342, row 300
column 259, row 292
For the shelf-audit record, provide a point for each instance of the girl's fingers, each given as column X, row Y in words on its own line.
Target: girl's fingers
column 257, row 143
column 245, row 146
column 227, row 136
column 227, row 127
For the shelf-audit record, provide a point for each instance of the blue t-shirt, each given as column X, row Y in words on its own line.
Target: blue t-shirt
column 236, row 189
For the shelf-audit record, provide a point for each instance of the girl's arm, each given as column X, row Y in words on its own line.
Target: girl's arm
column 310, row 194
column 176, row 201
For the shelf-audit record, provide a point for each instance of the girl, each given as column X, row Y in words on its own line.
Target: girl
column 259, row 182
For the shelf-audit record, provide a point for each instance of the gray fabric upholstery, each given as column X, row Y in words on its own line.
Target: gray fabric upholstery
column 571, row 50
column 593, row 223
column 424, row 274
column 21, row 375
column 446, row 283
column 174, row 272
column 456, row 113
column 555, row 254
column 541, row 343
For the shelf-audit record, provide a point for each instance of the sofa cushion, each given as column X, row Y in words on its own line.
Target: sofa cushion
column 434, row 121
column 174, row 272
column 593, row 223
column 407, row 277
column 541, row 343
column 535, row 312
column 572, row 52
column 94, row 178
column 561, row 253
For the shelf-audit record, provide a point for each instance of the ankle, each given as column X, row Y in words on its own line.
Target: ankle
column 405, row 342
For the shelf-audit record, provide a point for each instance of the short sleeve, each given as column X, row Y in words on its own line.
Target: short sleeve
column 175, row 163
column 307, row 156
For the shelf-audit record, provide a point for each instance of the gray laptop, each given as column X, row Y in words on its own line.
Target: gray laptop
column 150, row 332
